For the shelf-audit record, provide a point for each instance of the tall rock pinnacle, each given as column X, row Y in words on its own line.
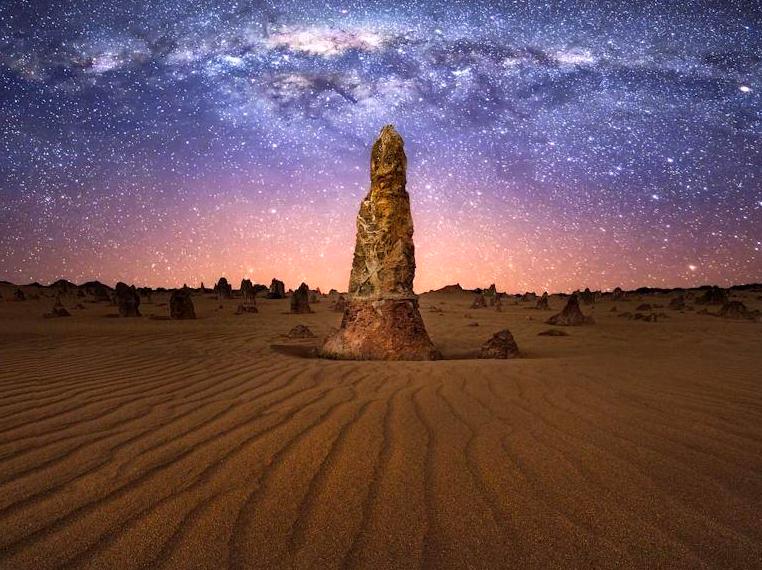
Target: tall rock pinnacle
column 381, row 320
column 384, row 261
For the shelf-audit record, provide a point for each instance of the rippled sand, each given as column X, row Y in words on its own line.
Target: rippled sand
column 139, row 443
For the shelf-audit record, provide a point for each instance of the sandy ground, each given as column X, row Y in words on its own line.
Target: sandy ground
column 139, row 443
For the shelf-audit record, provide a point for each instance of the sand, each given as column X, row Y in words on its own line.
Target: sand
column 139, row 443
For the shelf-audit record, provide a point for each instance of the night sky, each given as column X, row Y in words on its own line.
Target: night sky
column 551, row 145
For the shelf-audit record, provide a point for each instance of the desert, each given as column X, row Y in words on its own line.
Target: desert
column 220, row 442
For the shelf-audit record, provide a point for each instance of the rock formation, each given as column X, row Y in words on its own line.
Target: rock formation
column 501, row 345
column 479, row 301
column 677, row 303
column 735, row 310
column 300, row 300
column 499, row 303
column 617, row 294
column 587, row 296
column 571, row 315
column 339, row 305
column 63, row 287
column 223, row 289
column 542, row 302
column 127, row 299
column 248, row 294
column 300, row 331
column 58, row 310
column 713, row 296
column 97, row 290
column 382, row 320
column 181, row 305
column 277, row 290
column 18, row 295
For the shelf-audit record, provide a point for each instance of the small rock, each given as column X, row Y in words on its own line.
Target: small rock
column 501, row 345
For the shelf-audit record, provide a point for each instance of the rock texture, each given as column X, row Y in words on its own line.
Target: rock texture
column 300, row 331
column 339, row 305
column 127, row 299
column 587, row 296
column 277, row 290
column 97, row 290
column 571, row 315
column 181, row 305
column 382, row 320
column 542, row 303
column 223, row 289
column 501, row 345
column 300, row 300
column 713, row 296
column 248, row 293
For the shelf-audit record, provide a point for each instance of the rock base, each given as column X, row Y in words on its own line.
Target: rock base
column 384, row 329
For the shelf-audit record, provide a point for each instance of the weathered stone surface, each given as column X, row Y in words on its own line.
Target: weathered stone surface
column 300, row 331
column 97, row 290
column 223, row 289
column 384, row 329
column 384, row 259
column 127, row 299
column 382, row 320
column 339, row 304
column 277, row 290
column 571, row 315
column 300, row 300
column 181, row 305
column 713, row 296
column 501, row 345
column 248, row 293
column 542, row 302
column 499, row 303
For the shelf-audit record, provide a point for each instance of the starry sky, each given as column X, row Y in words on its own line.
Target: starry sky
column 551, row 145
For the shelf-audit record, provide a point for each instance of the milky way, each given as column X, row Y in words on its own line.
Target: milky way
column 550, row 145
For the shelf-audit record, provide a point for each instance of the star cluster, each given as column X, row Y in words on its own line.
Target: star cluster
column 551, row 145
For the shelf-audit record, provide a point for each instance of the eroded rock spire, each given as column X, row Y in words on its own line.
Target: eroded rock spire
column 382, row 320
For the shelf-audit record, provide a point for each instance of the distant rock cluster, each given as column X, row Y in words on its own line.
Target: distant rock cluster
column 127, row 300
column 571, row 315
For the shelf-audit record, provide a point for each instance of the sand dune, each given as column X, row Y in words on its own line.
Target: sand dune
column 139, row 443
